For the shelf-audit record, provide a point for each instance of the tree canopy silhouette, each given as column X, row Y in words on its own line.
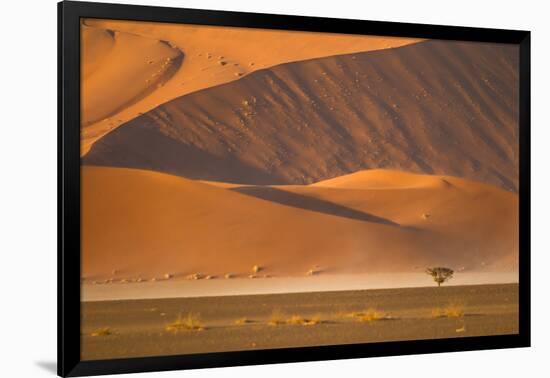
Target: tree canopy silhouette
column 440, row 274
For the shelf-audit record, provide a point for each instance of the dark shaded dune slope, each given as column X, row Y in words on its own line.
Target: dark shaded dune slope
column 435, row 107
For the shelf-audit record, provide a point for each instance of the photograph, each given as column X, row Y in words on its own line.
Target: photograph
column 251, row 189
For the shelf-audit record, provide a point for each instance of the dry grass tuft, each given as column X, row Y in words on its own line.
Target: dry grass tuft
column 195, row 276
column 191, row 322
column 368, row 315
column 103, row 331
column 452, row 310
column 276, row 318
column 461, row 329
column 300, row 320
column 243, row 321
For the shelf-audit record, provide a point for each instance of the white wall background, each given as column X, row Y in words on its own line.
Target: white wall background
column 28, row 185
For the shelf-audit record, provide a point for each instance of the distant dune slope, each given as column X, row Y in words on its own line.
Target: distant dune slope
column 437, row 107
column 118, row 69
column 131, row 218
column 213, row 55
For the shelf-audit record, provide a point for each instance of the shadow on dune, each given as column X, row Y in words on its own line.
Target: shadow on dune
column 300, row 201
column 170, row 156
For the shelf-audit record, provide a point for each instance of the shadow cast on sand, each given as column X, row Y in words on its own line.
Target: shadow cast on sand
column 171, row 156
column 300, row 201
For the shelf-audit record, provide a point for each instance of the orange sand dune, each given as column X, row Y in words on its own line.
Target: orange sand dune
column 213, row 55
column 430, row 203
column 145, row 224
column 119, row 69
column 385, row 179
column 436, row 107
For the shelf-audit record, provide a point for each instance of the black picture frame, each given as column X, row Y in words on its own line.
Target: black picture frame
column 69, row 14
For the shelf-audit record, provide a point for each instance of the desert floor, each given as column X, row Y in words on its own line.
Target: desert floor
column 133, row 328
column 178, row 286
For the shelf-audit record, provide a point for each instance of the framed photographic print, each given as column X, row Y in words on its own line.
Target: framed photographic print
column 239, row 188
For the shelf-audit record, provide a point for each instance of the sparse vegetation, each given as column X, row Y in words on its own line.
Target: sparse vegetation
column 440, row 274
column 191, row 322
column 103, row 331
column 243, row 321
column 452, row 310
column 369, row 315
column 461, row 329
column 278, row 318
column 300, row 320
column 195, row 276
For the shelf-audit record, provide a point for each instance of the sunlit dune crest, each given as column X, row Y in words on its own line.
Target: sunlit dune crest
column 120, row 50
column 386, row 179
column 118, row 70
